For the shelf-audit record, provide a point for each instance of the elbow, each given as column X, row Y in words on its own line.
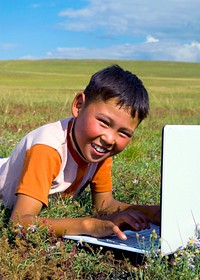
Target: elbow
column 21, row 220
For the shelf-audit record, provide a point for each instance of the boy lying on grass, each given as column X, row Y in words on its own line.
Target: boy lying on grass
column 67, row 155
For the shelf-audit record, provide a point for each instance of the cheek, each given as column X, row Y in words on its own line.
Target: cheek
column 122, row 143
column 88, row 129
column 93, row 130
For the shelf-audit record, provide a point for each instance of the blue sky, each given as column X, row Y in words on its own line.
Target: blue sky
column 166, row 30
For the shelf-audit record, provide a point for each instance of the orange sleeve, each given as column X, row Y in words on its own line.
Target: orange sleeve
column 102, row 180
column 41, row 165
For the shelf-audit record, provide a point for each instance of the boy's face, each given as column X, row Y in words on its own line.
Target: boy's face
column 102, row 129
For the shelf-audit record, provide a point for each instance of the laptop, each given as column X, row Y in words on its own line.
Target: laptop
column 180, row 198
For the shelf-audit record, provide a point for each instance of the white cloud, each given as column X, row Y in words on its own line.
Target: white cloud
column 188, row 52
column 112, row 52
column 163, row 51
column 76, row 13
column 173, row 23
column 28, row 57
column 96, row 16
column 136, row 17
column 151, row 39
column 7, row 46
column 35, row 5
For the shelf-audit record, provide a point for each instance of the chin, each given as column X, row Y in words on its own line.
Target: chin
column 98, row 159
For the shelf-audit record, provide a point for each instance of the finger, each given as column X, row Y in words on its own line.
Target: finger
column 136, row 220
column 119, row 233
column 141, row 222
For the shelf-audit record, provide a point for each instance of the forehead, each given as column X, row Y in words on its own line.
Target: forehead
column 111, row 109
column 114, row 104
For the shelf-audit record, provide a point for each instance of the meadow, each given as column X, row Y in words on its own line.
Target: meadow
column 33, row 93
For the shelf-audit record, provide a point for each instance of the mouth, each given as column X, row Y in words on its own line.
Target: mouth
column 99, row 149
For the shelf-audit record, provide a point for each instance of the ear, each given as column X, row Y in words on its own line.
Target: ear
column 77, row 104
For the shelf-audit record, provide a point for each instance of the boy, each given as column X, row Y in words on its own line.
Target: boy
column 67, row 155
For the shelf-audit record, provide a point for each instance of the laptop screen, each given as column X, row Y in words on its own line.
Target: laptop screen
column 180, row 194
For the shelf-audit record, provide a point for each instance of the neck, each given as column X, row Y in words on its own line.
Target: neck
column 74, row 142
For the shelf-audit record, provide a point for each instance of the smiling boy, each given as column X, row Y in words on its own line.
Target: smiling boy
column 67, row 155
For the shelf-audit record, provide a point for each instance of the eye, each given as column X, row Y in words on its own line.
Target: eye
column 104, row 122
column 125, row 134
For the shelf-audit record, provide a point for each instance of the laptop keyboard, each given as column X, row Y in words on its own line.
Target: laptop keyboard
column 142, row 240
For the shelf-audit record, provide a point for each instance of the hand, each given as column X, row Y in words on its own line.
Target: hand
column 152, row 212
column 113, row 223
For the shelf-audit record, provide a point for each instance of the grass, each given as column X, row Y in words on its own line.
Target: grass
column 33, row 93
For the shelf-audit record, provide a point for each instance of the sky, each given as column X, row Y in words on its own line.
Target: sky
column 162, row 30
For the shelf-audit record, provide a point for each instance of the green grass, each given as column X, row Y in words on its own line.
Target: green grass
column 33, row 93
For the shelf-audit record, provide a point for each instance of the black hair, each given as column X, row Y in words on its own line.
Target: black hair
column 127, row 88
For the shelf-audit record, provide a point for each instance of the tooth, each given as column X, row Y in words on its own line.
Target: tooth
column 99, row 149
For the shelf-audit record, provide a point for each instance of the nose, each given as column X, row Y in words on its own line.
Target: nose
column 109, row 138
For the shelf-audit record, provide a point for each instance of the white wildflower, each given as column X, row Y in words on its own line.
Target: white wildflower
column 32, row 228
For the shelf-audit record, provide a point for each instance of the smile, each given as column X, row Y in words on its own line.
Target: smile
column 99, row 149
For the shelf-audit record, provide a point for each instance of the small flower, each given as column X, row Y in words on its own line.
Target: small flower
column 20, row 226
column 194, row 242
column 198, row 230
column 80, row 242
column 154, row 234
column 32, row 228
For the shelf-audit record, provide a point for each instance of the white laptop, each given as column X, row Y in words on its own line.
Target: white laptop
column 180, row 197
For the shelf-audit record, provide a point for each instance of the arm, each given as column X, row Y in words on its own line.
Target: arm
column 30, row 201
column 27, row 207
column 26, row 210
column 106, row 204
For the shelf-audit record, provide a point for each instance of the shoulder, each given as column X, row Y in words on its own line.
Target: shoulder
column 106, row 164
column 52, row 134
